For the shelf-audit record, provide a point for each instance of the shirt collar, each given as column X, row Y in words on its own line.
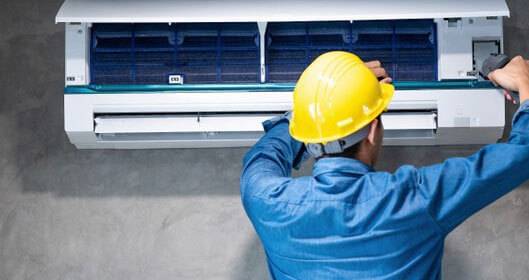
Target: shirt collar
column 340, row 165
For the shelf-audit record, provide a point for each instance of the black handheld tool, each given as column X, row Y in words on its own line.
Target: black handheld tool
column 495, row 62
column 492, row 63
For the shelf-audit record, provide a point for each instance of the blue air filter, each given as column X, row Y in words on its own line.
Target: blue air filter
column 407, row 48
column 201, row 53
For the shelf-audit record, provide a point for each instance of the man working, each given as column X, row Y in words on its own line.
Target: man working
column 348, row 221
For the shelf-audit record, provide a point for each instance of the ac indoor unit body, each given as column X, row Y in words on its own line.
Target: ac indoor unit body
column 179, row 74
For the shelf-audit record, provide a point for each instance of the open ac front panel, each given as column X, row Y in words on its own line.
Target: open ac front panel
column 160, row 85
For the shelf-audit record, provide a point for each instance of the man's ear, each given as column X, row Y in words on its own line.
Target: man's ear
column 371, row 137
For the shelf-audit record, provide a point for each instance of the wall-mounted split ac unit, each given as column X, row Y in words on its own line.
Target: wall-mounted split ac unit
column 163, row 74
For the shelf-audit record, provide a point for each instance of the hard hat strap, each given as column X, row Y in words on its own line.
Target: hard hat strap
column 338, row 146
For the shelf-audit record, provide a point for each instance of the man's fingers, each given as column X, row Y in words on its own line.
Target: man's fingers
column 492, row 78
column 380, row 72
column 387, row 80
column 373, row 64
column 377, row 69
column 508, row 96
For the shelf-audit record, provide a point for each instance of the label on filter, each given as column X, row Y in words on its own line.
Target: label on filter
column 176, row 79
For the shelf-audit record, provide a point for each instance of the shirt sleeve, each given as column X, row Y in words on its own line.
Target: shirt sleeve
column 269, row 163
column 459, row 187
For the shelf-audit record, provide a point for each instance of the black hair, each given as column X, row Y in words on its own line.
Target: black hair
column 347, row 153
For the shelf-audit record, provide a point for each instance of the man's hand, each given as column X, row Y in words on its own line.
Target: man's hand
column 376, row 67
column 513, row 77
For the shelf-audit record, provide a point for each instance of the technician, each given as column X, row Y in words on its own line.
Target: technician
column 348, row 221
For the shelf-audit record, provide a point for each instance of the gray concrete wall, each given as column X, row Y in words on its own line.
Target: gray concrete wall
column 167, row 214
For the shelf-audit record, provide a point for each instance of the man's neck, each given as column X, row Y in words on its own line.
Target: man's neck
column 357, row 156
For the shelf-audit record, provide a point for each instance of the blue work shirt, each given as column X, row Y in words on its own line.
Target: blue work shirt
column 348, row 221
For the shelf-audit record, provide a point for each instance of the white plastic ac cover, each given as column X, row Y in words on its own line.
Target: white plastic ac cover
column 110, row 11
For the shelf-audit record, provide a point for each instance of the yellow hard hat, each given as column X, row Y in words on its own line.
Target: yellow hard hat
column 336, row 96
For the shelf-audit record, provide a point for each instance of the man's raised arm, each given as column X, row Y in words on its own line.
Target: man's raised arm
column 459, row 187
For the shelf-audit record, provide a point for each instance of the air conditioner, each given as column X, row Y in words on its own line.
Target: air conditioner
column 169, row 74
